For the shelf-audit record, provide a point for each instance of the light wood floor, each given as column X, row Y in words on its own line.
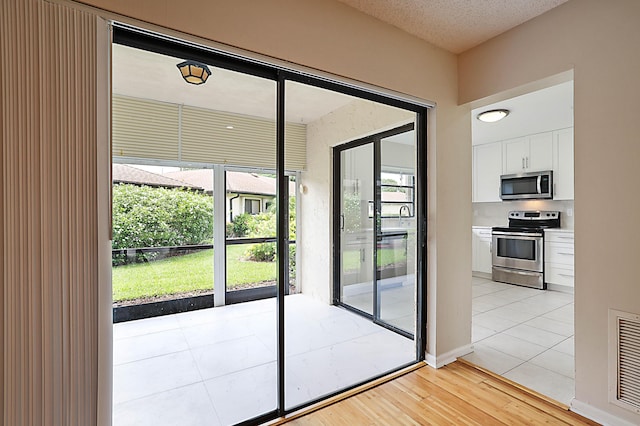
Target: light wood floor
column 457, row 394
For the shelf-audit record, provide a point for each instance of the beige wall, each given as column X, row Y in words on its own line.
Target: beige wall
column 329, row 36
column 599, row 40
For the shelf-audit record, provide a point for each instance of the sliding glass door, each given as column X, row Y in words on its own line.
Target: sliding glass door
column 311, row 297
column 375, row 260
column 356, row 223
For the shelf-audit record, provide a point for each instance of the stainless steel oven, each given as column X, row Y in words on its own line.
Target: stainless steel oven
column 518, row 257
column 518, row 250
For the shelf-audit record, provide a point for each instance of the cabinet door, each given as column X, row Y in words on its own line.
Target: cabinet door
column 487, row 168
column 563, row 164
column 515, row 155
column 481, row 243
column 484, row 254
column 540, row 152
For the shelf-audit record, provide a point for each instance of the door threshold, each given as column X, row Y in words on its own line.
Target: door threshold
column 516, row 385
column 344, row 395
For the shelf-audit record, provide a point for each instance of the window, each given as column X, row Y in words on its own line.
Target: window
column 251, row 206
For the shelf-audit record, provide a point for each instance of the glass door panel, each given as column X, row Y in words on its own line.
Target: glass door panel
column 250, row 235
column 356, row 228
column 396, row 241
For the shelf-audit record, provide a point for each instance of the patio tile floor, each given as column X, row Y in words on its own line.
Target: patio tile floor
column 218, row 366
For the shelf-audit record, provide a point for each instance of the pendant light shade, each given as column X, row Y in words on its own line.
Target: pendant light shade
column 194, row 72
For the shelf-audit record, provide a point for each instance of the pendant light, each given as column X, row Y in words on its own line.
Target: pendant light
column 194, row 72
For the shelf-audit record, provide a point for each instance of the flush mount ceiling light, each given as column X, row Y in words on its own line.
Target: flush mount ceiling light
column 194, row 72
column 493, row 115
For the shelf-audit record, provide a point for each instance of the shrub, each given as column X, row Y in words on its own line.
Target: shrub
column 144, row 216
column 265, row 252
column 240, row 226
column 264, row 225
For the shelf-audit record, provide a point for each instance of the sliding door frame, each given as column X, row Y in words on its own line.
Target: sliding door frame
column 158, row 43
column 376, row 141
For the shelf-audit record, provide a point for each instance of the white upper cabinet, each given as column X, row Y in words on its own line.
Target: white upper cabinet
column 487, row 168
column 563, row 164
column 533, row 153
column 528, row 154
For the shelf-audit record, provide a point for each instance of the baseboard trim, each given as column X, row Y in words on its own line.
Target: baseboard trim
column 598, row 415
column 479, row 274
column 448, row 357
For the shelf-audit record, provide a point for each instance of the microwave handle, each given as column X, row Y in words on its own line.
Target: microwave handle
column 539, row 184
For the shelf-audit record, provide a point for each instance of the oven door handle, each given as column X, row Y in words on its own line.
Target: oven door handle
column 517, row 272
column 529, row 235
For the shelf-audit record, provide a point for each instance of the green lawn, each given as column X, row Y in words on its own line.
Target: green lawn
column 194, row 272
column 386, row 256
column 186, row 273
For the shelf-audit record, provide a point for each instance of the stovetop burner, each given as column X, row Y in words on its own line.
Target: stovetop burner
column 530, row 221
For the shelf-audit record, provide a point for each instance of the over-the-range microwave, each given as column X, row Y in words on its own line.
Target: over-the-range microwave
column 527, row 186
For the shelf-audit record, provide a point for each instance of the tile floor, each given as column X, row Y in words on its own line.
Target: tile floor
column 397, row 300
column 525, row 335
column 218, row 366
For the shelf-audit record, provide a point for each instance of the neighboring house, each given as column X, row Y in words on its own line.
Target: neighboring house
column 124, row 173
column 246, row 192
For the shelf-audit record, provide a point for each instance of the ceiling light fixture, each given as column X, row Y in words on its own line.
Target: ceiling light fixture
column 493, row 115
column 194, row 72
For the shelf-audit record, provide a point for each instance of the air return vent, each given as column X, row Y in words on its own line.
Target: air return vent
column 624, row 360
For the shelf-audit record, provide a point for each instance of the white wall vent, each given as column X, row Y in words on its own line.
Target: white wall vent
column 624, row 360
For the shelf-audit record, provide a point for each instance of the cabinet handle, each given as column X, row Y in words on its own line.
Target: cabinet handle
column 527, row 162
column 523, row 162
column 566, row 254
column 565, row 238
column 566, row 275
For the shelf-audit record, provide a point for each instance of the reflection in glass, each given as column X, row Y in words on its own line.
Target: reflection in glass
column 397, row 242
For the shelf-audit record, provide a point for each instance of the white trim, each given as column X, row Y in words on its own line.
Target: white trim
column 448, row 357
column 598, row 415
column 219, row 235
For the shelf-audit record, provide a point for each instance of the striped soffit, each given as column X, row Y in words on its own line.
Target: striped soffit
column 154, row 130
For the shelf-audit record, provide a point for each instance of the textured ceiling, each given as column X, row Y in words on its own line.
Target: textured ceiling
column 454, row 25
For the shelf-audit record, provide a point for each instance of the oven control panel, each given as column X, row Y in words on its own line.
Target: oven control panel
column 534, row 215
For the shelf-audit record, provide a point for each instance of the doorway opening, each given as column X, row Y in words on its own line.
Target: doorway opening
column 525, row 334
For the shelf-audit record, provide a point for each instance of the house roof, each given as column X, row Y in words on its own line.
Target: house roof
column 123, row 173
column 237, row 182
